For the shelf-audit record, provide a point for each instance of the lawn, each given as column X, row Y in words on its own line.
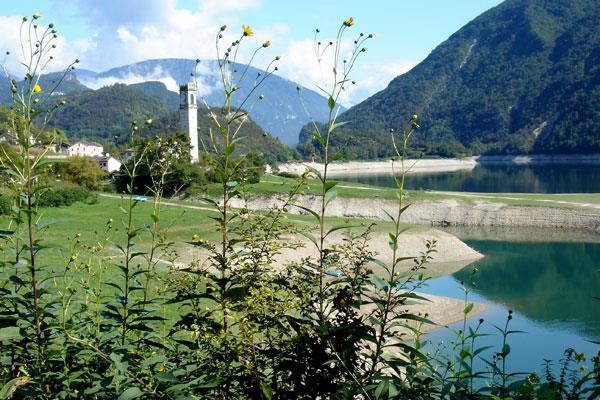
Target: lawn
column 180, row 218
column 271, row 184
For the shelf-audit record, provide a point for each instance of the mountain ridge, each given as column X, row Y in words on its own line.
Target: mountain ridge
column 520, row 78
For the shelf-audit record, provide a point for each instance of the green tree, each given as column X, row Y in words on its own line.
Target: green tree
column 83, row 171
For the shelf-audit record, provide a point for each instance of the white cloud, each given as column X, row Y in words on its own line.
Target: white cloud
column 10, row 41
column 126, row 32
column 131, row 77
column 300, row 64
column 135, row 30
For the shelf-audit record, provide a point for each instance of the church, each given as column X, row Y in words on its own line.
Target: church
column 188, row 116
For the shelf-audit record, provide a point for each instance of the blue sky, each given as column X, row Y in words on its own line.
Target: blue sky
column 109, row 33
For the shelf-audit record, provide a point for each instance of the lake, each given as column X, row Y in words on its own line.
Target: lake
column 549, row 286
column 498, row 179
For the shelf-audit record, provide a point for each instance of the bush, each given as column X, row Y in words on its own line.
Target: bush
column 5, row 204
column 63, row 196
column 285, row 174
column 82, row 171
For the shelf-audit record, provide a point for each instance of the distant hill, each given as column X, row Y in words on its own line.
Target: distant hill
column 524, row 77
column 69, row 84
column 159, row 90
column 106, row 114
column 279, row 113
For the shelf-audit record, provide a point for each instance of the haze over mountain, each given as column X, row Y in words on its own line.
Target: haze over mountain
column 524, row 77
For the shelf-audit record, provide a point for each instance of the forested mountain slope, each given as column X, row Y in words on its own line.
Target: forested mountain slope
column 524, row 77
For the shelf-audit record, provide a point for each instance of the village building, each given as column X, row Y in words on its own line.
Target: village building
column 108, row 163
column 10, row 137
column 85, row 148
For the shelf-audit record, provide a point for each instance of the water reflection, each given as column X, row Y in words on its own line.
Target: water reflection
column 553, row 284
column 500, row 179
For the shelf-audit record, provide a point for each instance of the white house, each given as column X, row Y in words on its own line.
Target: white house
column 85, row 148
column 109, row 163
column 10, row 137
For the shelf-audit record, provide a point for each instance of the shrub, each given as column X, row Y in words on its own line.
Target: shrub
column 286, row 174
column 5, row 204
column 82, row 171
column 63, row 196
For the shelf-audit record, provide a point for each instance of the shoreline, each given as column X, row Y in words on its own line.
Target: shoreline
column 448, row 212
column 433, row 165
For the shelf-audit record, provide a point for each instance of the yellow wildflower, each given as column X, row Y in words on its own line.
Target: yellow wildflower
column 37, row 89
column 349, row 22
column 247, row 30
column 267, row 43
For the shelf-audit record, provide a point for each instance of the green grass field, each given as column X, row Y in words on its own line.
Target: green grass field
column 180, row 218
column 271, row 184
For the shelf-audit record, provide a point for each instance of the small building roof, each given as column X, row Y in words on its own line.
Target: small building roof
column 88, row 143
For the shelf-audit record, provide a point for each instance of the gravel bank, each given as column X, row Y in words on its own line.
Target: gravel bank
column 452, row 212
column 442, row 165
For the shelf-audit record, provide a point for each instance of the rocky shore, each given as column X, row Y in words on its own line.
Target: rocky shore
column 416, row 166
column 451, row 212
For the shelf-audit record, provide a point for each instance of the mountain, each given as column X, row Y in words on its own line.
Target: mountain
column 524, row 77
column 159, row 90
column 106, row 115
column 279, row 113
column 65, row 82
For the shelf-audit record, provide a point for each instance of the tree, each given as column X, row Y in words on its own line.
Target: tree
column 83, row 171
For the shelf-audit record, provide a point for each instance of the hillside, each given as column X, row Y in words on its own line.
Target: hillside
column 255, row 139
column 279, row 113
column 524, row 77
column 106, row 114
column 69, row 84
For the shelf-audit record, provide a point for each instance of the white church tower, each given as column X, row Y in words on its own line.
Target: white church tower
column 188, row 116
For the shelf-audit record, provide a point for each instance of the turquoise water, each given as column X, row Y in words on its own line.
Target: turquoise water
column 499, row 179
column 549, row 286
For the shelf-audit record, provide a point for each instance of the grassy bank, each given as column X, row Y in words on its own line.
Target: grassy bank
column 272, row 184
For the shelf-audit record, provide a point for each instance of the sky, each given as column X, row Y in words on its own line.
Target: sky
column 111, row 33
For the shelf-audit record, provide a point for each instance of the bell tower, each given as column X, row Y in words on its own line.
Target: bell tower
column 188, row 116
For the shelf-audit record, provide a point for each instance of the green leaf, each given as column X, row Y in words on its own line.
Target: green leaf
column 209, row 201
column 382, row 388
column 468, row 308
column 313, row 213
column 329, row 185
column 7, row 391
column 266, row 391
column 330, row 196
column 338, row 124
column 380, row 283
column 10, row 333
column 310, row 237
column 331, row 103
column 131, row 393
column 339, row 227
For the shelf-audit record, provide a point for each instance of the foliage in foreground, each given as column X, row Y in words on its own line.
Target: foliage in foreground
column 124, row 317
